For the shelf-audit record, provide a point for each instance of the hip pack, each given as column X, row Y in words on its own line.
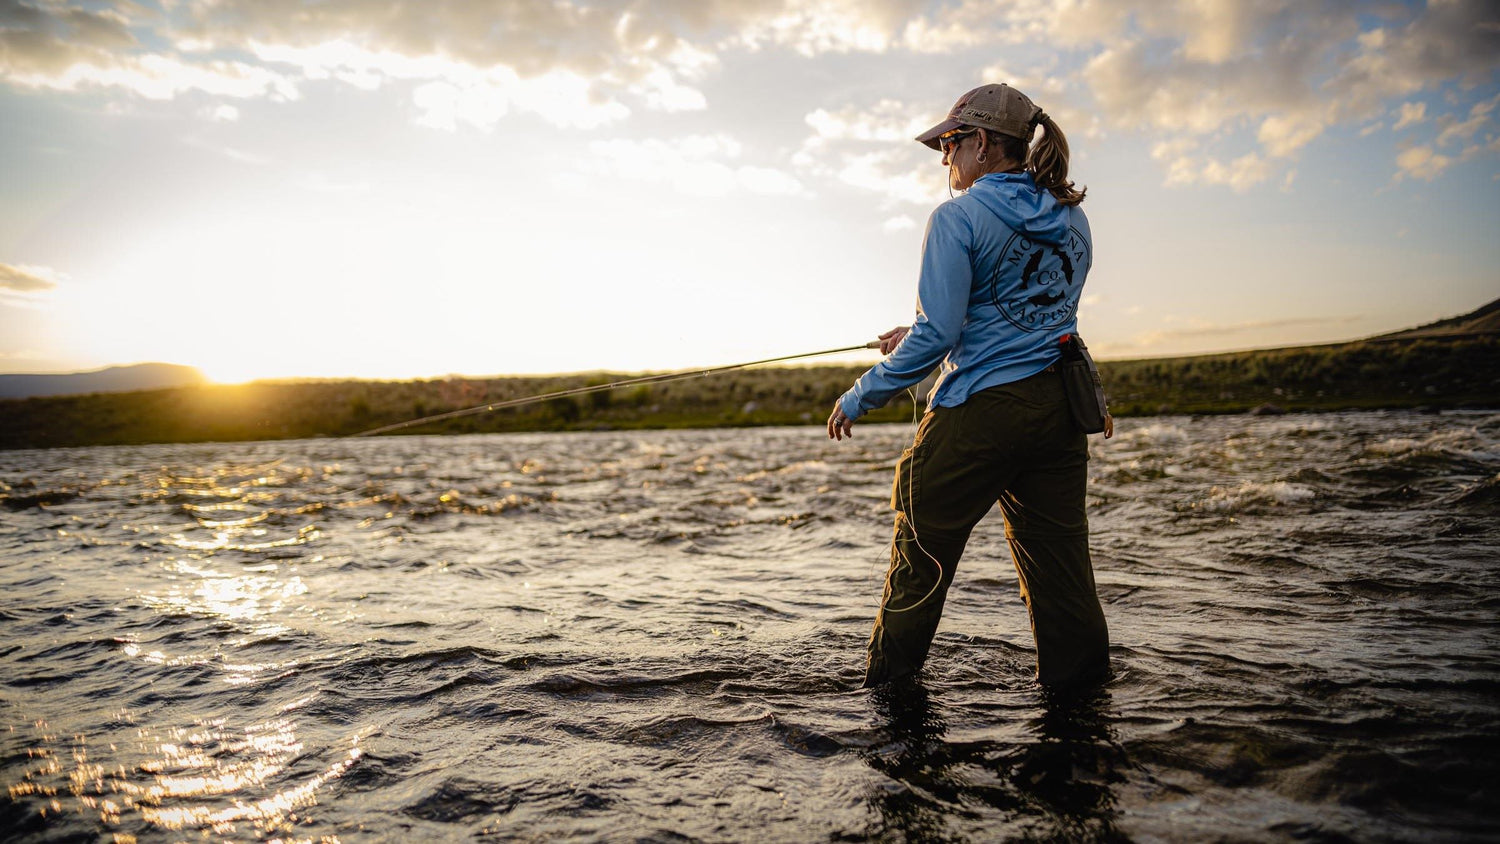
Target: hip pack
column 1085, row 390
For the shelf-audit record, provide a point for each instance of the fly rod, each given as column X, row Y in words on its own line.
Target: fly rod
column 598, row 388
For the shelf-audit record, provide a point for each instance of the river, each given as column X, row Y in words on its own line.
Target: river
column 660, row 636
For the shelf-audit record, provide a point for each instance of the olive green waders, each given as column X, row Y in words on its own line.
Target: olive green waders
column 1015, row 444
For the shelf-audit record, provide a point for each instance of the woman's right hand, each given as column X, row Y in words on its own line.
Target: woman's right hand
column 891, row 339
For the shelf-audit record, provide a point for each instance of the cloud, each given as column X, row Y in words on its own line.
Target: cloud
column 71, row 49
column 1239, row 175
column 1185, row 167
column 47, row 40
column 1197, row 99
column 886, row 121
column 1411, row 114
column 1292, row 70
column 1422, row 162
column 23, row 278
column 1283, row 135
column 1275, row 74
column 574, row 64
column 829, row 26
column 872, row 149
column 899, row 223
column 1464, row 130
column 495, row 58
column 891, row 174
column 1198, row 329
column 817, row 27
column 1447, row 40
column 695, row 164
column 1426, row 162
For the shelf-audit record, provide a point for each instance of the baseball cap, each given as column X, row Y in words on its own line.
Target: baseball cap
column 998, row 107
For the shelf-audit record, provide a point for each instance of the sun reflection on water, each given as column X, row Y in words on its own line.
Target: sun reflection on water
column 227, row 540
column 241, row 597
column 192, row 778
column 203, row 772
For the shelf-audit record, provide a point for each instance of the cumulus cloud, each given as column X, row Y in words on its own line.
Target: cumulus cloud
column 1186, row 166
column 1427, row 162
column 1291, row 70
column 871, row 149
column 574, row 64
column 46, row 40
column 1422, row 162
column 886, row 121
column 815, row 27
column 1275, row 74
column 891, row 174
column 1410, row 115
column 1282, row 135
column 1239, row 174
column 1464, row 130
column 70, row 49
column 23, row 278
column 480, row 101
column 828, row 26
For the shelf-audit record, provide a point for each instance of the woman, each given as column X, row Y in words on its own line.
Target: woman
column 1003, row 268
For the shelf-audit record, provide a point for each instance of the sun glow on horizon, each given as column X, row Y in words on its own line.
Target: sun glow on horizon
column 443, row 189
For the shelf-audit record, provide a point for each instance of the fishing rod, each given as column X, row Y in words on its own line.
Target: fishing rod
column 598, row 388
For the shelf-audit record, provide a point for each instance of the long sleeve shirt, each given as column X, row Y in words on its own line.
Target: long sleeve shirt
column 1003, row 268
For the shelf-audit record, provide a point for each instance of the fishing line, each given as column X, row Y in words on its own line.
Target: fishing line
column 904, row 508
column 598, row 388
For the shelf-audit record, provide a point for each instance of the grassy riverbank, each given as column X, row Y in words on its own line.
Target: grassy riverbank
column 1400, row 371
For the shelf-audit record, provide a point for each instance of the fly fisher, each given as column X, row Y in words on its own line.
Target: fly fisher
column 1003, row 269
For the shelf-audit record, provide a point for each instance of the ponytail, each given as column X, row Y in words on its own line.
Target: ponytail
column 1048, row 162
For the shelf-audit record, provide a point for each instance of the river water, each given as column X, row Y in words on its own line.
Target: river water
column 659, row 636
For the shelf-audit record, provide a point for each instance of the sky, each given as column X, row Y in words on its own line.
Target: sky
column 416, row 188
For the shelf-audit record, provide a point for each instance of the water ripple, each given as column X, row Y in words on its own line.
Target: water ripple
column 659, row 635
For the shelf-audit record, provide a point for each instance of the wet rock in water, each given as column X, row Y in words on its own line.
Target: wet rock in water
column 1268, row 409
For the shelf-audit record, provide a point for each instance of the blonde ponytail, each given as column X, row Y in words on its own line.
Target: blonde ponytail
column 1048, row 162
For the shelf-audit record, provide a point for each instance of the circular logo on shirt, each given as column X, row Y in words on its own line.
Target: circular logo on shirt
column 1036, row 285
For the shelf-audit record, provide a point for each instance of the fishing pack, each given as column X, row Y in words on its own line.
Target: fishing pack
column 1084, row 388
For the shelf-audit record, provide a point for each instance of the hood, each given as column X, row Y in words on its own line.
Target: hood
column 1021, row 205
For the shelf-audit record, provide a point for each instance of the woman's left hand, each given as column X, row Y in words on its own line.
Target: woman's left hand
column 839, row 425
column 891, row 339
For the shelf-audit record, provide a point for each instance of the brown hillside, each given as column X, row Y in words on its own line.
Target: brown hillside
column 1485, row 320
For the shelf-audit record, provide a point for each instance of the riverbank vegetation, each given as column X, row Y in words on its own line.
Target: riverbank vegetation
column 1399, row 371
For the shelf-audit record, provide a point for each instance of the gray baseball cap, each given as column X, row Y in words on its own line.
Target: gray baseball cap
column 998, row 107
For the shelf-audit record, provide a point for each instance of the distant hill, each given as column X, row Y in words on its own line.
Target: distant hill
column 115, row 379
column 1453, row 363
column 1485, row 320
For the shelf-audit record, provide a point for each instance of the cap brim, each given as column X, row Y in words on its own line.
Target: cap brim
column 930, row 137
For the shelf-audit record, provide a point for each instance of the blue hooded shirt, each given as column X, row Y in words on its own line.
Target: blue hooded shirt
column 1003, row 268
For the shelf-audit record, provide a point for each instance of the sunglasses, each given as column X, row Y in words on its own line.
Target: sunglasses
column 949, row 141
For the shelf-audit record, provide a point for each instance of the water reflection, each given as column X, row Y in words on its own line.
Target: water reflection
column 1057, row 786
column 206, row 777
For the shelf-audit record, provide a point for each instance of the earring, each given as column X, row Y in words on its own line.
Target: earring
column 983, row 158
